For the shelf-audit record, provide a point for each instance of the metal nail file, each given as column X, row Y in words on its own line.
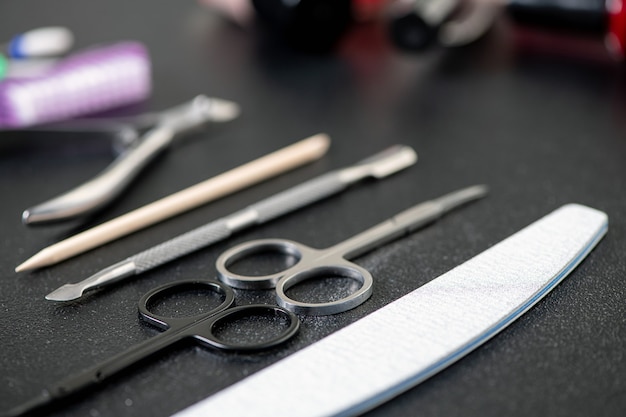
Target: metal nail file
column 402, row 344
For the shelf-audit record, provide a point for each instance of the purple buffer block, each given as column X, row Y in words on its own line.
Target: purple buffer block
column 87, row 82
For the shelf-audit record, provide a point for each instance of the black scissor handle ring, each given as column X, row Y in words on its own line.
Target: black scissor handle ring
column 293, row 325
column 165, row 322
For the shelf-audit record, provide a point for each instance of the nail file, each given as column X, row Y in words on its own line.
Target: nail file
column 407, row 341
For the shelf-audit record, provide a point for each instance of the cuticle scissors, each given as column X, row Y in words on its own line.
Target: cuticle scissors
column 334, row 261
column 199, row 327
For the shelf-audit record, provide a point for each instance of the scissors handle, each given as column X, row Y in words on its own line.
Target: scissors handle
column 209, row 337
column 255, row 247
column 337, row 269
column 149, row 299
column 310, row 263
column 201, row 328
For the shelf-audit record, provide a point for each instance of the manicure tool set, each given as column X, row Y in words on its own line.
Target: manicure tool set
column 433, row 326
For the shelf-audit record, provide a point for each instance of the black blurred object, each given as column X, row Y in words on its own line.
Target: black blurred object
column 603, row 21
column 584, row 16
column 309, row 25
column 416, row 23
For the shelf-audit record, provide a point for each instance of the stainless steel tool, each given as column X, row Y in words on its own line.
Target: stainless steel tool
column 138, row 152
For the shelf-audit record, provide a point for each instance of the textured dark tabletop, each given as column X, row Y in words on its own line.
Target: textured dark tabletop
column 541, row 131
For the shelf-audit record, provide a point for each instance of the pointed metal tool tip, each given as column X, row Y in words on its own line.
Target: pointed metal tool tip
column 66, row 292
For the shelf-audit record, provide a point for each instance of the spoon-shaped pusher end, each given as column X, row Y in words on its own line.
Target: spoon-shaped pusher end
column 113, row 273
column 66, row 292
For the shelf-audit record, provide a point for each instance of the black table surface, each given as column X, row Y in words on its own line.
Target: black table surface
column 540, row 130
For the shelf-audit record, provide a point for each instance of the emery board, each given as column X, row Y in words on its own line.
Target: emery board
column 400, row 345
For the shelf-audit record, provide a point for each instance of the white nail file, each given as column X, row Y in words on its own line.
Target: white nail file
column 416, row 336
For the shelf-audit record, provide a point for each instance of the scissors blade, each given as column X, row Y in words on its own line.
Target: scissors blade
column 460, row 197
column 422, row 214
